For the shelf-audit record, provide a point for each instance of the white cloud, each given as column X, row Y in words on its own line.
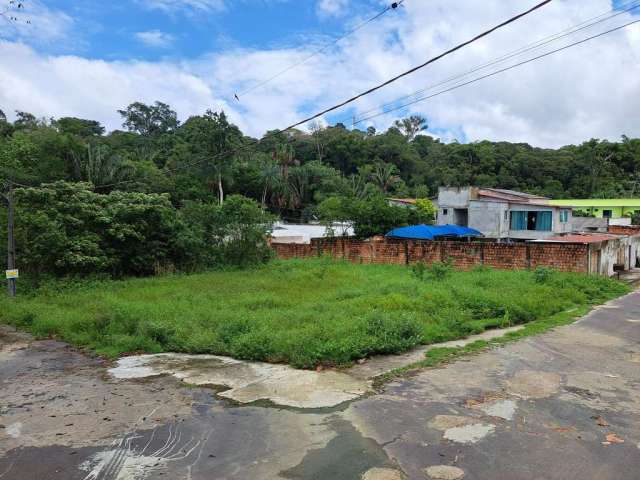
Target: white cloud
column 75, row 86
column 583, row 92
column 155, row 38
column 332, row 8
column 190, row 6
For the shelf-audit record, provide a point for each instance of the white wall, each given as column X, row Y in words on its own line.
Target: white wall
column 303, row 233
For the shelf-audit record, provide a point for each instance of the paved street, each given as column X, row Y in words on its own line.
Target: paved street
column 563, row 405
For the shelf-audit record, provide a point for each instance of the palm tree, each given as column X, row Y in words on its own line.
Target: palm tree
column 385, row 176
column 270, row 176
column 99, row 166
column 410, row 127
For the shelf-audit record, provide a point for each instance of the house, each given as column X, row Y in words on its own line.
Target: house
column 605, row 250
column 502, row 214
column 603, row 208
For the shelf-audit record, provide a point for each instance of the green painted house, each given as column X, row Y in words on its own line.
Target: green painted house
column 602, row 207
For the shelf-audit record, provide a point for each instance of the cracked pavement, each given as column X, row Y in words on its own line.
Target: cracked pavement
column 561, row 405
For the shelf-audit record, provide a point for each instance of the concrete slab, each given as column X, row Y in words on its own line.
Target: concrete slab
column 248, row 382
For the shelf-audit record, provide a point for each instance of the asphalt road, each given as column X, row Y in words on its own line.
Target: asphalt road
column 563, row 405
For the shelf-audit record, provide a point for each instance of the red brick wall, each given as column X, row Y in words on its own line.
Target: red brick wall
column 464, row 255
column 624, row 229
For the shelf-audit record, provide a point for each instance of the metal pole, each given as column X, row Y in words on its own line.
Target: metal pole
column 11, row 243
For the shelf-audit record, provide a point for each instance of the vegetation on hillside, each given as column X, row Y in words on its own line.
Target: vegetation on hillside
column 144, row 199
column 304, row 313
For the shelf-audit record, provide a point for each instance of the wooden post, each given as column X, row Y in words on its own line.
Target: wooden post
column 11, row 243
column 406, row 252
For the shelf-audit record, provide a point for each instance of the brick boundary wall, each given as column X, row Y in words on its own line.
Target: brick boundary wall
column 624, row 229
column 567, row 257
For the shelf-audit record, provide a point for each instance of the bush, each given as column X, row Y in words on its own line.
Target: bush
column 440, row 270
column 370, row 216
column 66, row 229
column 419, row 269
column 543, row 274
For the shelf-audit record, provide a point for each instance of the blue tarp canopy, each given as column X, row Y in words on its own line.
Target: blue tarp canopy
column 430, row 232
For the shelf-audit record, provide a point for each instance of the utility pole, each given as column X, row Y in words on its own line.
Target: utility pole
column 11, row 242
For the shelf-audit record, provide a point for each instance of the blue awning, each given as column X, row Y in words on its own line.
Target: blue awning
column 431, row 232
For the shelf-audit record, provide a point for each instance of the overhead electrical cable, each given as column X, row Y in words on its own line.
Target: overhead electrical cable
column 546, row 54
column 418, row 67
column 254, row 142
column 324, row 48
column 537, row 45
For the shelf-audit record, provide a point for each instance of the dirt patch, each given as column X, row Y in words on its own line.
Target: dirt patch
column 533, row 384
column 445, row 422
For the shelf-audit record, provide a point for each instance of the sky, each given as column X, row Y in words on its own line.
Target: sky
column 90, row 58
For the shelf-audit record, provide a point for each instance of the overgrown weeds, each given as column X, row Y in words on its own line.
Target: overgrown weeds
column 301, row 312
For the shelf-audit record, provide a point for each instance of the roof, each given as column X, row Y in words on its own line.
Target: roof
column 597, row 202
column 515, row 193
column 430, row 232
column 408, row 201
column 583, row 238
column 511, row 196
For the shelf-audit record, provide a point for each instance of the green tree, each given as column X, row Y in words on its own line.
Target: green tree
column 149, row 120
column 411, row 126
column 211, row 143
column 425, row 211
column 79, row 126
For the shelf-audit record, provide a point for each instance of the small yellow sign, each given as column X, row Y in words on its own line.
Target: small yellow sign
column 12, row 273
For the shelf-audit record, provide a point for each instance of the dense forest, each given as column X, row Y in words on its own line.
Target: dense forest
column 69, row 175
column 208, row 157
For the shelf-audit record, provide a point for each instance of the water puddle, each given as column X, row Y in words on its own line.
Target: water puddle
column 346, row 457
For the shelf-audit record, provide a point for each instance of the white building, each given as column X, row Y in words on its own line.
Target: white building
column 303, row 233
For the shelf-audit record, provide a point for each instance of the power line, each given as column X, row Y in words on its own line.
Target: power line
column 527, row 48
column 498, row 71
column 418, row 67
column 333, row 42
column 258, row 141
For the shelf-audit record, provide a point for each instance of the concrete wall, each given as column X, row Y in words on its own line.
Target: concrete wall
column 589, row 224
column 489, row 218
column 455, row 197
column 303, row 233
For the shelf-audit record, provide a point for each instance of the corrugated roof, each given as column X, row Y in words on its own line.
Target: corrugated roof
column 511, row 196
column 514, row 192
column 583, row 238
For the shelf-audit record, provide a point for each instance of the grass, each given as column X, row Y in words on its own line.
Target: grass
column 301, row 312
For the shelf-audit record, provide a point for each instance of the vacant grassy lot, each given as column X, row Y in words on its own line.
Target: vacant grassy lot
column 300, row 312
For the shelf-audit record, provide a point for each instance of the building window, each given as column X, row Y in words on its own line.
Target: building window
column 607, row 213
column 541, row 221
column 445, row 211
column 564, row 216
